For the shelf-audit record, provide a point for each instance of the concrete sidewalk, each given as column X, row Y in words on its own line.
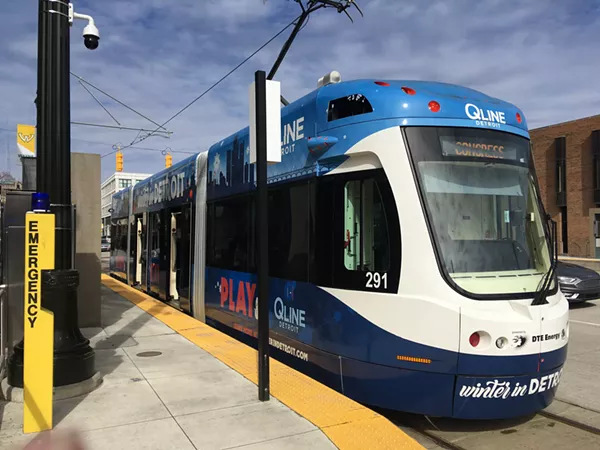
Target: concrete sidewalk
column 160, row 391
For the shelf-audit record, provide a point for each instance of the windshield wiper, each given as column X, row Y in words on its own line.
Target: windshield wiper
column 546, row 282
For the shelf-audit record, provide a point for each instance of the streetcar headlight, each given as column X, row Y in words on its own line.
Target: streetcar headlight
column 501, row 342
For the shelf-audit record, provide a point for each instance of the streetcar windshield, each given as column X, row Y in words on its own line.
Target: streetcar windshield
column 483, row 205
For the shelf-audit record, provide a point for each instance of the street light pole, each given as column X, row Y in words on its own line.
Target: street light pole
column 53, row 122
column 74, row 359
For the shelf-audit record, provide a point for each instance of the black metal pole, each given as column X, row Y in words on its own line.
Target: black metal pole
column 54, row 129
column 74, row 359
column 262, row 236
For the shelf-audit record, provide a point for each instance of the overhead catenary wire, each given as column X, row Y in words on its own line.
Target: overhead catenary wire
column 325, row 3
column 120, row 127
column 214, row 84
column 87, row 141
column 150, row 149
column 82, row 80
column 99, row 102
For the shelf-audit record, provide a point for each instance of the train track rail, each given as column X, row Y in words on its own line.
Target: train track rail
column 423, row 427
column 440, row 441
column 419, row 425
column 570, row 422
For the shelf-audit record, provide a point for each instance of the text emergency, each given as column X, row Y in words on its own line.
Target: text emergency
column 33, row 272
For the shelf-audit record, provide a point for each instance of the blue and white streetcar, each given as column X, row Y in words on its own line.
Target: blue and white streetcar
column 411, row 263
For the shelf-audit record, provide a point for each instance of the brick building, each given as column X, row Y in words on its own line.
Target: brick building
column 567, row 161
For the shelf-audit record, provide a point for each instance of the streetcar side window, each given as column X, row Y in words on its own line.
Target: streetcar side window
column 230, row 237
column 366, row 237
column 339, row 231
column 289, row 232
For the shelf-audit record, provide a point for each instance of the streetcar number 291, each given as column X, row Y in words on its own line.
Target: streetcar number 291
column 375, row 280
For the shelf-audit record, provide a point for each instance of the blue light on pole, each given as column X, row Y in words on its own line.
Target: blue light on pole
column 40, row 202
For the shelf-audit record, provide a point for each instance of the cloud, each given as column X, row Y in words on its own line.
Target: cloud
column 157, row 55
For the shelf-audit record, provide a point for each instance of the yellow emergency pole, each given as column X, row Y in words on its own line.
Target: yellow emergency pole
column 38, row 364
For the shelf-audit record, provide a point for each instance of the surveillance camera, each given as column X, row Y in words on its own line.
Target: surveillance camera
column 91, row 36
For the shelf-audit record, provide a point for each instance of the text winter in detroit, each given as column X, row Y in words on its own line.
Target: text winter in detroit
column 503, row 389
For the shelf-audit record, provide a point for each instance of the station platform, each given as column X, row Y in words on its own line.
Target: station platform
column 172, row 382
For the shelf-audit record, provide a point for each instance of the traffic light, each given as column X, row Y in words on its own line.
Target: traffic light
column 119, row 161
column 168, row 160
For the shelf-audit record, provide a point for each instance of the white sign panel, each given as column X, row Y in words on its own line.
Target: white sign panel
column 273, row 119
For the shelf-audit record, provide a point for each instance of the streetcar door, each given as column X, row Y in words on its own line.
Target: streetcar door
column 179, row 257
column 184, row 254
column 155, row 254
column 173, row 254
column 132, row 256
column 165, row 245
column 139, row 251
column 143, row 255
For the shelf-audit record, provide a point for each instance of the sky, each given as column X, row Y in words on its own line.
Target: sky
column 158, row 55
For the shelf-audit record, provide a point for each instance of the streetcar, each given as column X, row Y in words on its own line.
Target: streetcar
column 411, row 262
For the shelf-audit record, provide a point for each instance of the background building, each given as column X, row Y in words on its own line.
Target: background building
column 7, row 183
column 567, row 161
column 114, row 183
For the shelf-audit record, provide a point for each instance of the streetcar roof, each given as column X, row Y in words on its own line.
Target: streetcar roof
column 458, row 106
column 322, row 117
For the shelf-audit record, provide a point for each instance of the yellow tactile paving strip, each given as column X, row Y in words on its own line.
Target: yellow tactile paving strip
column 346, row 423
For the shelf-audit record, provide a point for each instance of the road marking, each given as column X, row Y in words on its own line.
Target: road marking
column 585, row 323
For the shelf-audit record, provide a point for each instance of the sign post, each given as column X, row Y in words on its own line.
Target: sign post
column 38, row 358
column 265, row 147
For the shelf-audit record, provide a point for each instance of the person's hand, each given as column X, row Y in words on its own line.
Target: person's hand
column 56, row 440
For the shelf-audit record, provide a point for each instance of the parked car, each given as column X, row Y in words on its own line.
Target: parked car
column 105, row 245
column 578, row 283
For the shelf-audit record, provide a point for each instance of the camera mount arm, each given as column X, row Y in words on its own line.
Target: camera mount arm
column 73, row 15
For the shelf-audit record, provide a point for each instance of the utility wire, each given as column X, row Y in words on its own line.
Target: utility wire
column 99, row 102
column 150, row 149
column 110, row 145
column 215, row 84
column 116, row 100
column 134, row 148
column 121, row 127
